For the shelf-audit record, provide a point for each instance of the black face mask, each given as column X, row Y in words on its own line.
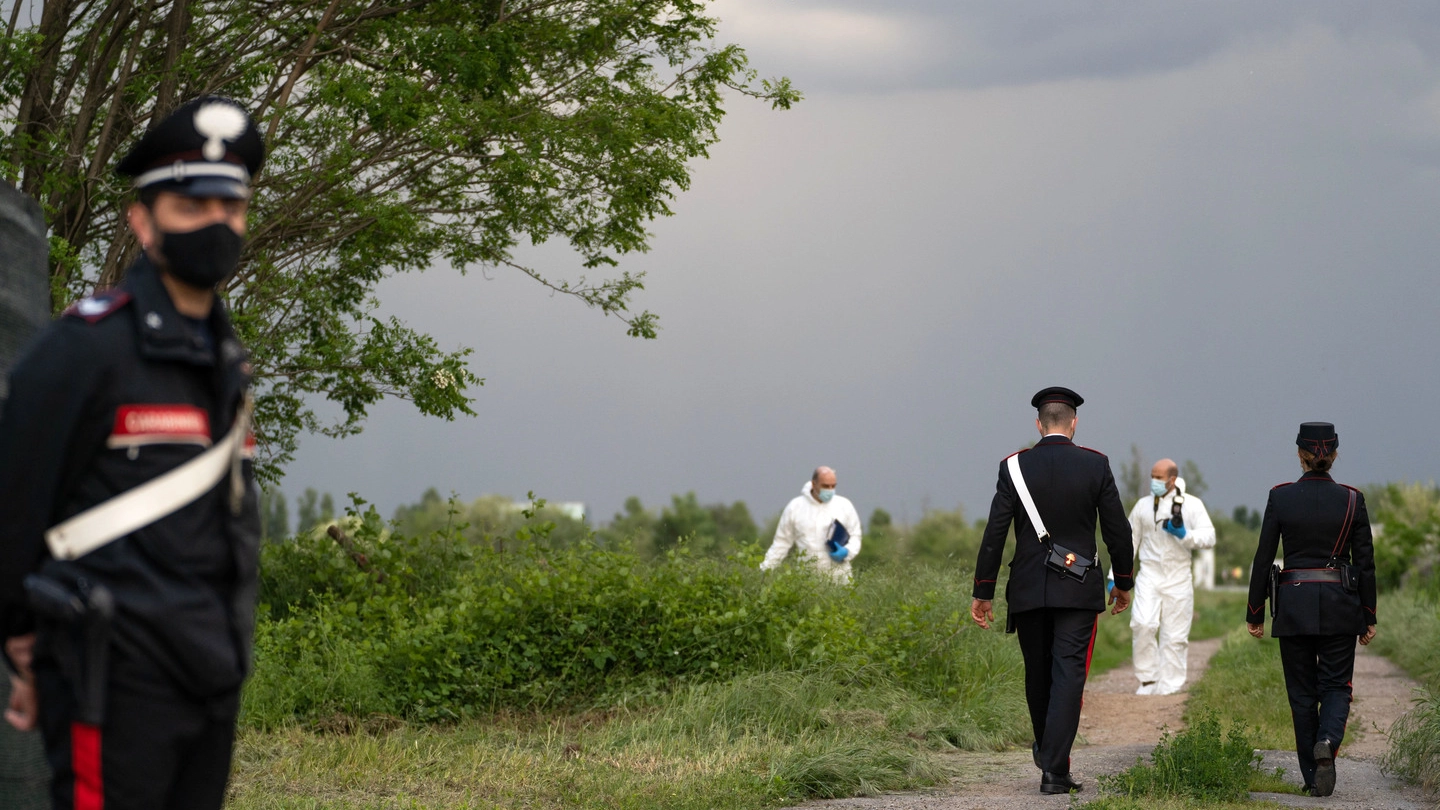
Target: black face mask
column 202, row 258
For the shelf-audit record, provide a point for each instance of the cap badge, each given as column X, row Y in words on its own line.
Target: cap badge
column 218, row 122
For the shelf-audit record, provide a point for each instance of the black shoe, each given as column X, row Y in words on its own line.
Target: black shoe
column 1053, row 783
column 1324, row 769
column 1035, row 755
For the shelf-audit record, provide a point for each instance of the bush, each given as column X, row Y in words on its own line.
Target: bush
column 1198, row 763
column 436, row 628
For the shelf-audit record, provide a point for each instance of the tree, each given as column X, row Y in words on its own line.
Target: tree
column 307, row 511
column 1134, row 482
column 327, row 508
column 274, row 515
column 684, row 518
column 1194, row 481
column 402, row 134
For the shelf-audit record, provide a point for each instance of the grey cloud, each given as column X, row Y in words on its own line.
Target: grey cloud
column 879, row 282
column 981, row 44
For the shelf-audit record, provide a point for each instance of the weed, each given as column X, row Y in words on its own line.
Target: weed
column 1198, row 763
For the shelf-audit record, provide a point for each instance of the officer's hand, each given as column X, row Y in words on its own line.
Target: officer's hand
column 19, row 650
column 1256, row 630
column 1369, row 635
column 24, row 709
column 982, row 611
column 1120, row 600
column 1178, row 531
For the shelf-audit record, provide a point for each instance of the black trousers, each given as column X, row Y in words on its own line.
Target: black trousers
column 1318, row 670
column 1056, row 644
column 158, row 749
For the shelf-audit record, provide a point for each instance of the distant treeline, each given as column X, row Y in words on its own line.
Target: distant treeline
column 708, row 529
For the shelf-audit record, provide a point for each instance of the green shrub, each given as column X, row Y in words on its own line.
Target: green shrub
column 437, row 628
column 1198, row 763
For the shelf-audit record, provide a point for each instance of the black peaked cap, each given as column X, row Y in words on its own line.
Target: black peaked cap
column 1057, row 394
column 209, row 147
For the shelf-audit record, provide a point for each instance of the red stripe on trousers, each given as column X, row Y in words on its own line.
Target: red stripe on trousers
column 85, row 761
column 1090, row 652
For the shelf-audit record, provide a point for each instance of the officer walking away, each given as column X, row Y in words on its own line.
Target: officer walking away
column 1166, row 526
column 823, row 525
column 129, row 525
column 1054, row 492
column 1321, row 603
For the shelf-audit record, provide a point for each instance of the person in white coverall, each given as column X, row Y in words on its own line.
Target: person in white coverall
column 808, row 521
column 1164, row 600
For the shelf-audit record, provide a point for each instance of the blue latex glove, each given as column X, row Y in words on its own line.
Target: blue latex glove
column 839, row 554
column 1178, row 532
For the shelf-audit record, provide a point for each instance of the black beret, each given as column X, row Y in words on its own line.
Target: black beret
column 1319, row 438
column 1057, row 394
column 210, row 147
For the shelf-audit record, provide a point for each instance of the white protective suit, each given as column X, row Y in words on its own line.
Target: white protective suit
column 806, row 523
column 1164, row 598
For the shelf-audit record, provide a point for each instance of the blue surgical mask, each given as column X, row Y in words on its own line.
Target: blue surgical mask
column 1157, row 487
column 826, row 495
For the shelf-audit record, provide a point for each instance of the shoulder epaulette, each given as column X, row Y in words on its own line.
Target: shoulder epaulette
column 1355, row 490
column 1093, row 450
column 99, row 306
column 1016, row 453
column 1286, row 484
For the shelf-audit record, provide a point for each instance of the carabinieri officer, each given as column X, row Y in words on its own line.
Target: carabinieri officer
column 127, row 494
column 1324, row 600
column 1053, row 599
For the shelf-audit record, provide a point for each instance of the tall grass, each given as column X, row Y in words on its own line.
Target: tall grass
column 1245, row 685
column 1409, row 633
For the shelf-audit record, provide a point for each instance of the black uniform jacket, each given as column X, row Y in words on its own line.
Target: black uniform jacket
column 116, row 392
column 1309, row 516
column 1071, row 485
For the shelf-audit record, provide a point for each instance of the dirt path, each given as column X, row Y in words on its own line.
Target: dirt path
column 1117, row 727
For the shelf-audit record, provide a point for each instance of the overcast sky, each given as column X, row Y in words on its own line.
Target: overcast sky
column 1213, row 220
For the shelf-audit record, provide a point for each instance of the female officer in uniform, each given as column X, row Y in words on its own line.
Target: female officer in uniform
column 1324, row 600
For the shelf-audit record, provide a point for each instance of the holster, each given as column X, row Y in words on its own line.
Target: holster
column 79, row 622
column 1272, row 588
column 1349, row 578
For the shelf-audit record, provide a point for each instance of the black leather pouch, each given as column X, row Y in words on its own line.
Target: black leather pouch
column 1067, row 562
column 1350, row 578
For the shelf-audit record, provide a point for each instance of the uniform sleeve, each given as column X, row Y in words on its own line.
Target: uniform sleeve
column 1362, row 553
column 785, row 536
column 1264, row 558
column 997, row 529
column 1200, row 530
column 1115, row 531
column 852, row 525
column 50, row 389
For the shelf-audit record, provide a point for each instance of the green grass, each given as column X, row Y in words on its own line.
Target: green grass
column 1216, row 613
column 1244, row 684
column 758, row 741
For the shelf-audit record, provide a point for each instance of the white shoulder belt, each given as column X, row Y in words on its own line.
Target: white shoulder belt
column 143, row 505
column 1024, row 492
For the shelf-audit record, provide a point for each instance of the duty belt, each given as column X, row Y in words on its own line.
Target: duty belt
column 1296, row 575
